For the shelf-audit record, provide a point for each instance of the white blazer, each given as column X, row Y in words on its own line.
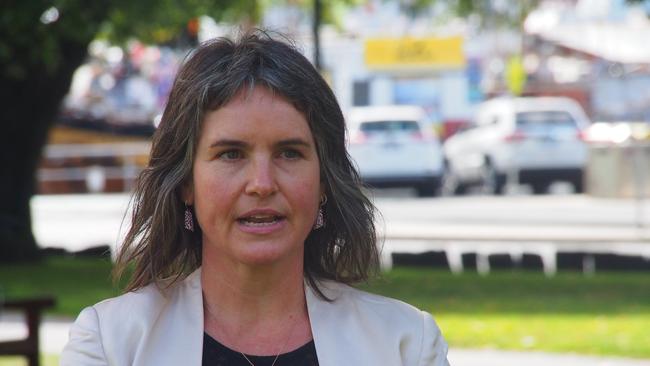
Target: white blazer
column 146, row 328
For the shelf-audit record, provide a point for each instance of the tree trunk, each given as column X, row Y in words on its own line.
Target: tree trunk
column 29, row 108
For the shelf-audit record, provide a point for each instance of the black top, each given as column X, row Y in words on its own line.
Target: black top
column 216, row 354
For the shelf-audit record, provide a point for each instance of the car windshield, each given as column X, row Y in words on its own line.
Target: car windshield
column 390, row 127
column 545, row 119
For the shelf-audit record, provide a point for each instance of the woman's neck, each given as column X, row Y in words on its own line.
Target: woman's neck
column 255, row 310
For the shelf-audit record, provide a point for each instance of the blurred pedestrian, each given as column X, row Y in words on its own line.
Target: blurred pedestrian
column 249, row 225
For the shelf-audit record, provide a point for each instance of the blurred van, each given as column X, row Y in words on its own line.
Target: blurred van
column 395, row 146
column 527, row 140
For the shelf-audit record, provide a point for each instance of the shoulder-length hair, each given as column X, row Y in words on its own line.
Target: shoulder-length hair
column 157, row 247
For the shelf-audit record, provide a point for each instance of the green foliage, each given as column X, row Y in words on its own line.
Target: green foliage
column 510, row 15
column 331, row 10
column 30, row 39
column 159, row 21
column 416, row 7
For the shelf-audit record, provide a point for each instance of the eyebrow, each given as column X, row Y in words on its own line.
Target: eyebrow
column 228, row 143
column 293, row 142
column 241, row 144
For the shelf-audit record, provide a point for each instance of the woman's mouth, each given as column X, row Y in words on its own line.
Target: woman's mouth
column 260, row 220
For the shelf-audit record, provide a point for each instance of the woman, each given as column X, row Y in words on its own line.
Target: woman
column 248, row 225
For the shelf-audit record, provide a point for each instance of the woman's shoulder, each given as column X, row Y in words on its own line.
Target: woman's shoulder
column 133, row 299
column 343, row 293
column 147, row 299
column 117, row 327
column 383, row 312
column 403, row 330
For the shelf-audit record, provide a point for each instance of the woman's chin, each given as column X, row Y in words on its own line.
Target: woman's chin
column 267, row 255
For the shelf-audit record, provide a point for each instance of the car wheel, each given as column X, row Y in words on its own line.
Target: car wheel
column 429, row 188
column 426, row 190
column 540, row 188
column 578, row 185
column 451, row 185
column 491, row 181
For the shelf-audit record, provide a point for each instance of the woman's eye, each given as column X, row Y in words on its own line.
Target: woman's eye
column 230, row 155
column 291, row 154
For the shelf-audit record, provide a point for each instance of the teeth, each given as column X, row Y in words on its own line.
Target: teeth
column 259, row 224
column 259, row 220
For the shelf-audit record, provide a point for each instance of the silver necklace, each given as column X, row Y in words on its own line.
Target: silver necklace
column 281, row 349
column 252, row 364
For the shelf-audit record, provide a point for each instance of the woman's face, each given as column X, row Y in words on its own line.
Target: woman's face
column 256, row 181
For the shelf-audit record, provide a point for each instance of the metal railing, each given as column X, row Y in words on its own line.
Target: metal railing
column 95, row 176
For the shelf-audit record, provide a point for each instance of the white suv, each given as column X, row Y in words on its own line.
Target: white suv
column 530, row 140
column 395, row 146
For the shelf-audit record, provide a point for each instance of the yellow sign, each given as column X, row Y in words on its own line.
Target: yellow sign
column 415, row 52
column 515, row 75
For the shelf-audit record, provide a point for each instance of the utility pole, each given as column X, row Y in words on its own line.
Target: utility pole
column 316, row 32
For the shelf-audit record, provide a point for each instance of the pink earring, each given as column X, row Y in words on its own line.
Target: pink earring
column 189, row 219
column 320, row 218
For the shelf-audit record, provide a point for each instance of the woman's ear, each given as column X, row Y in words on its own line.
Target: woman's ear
column 187, row 193
column 322, row 190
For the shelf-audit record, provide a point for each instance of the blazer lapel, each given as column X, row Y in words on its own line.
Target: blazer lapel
column 322, row 329
column 178, row 337
column 346, row 331
column 337, row 336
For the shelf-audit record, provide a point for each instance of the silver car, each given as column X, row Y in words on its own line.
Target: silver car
column 530, row 140
column 395, row 146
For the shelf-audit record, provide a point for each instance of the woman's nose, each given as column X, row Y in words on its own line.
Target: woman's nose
column 261, row 180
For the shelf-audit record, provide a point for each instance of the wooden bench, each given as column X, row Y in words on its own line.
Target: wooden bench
column 27, row 347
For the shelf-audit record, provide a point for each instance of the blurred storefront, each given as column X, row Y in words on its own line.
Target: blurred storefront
column 428, row 71
column 120, row 90
column 594, row 53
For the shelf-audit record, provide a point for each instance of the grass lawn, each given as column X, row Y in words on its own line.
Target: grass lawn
column 76, row 283
column 605, row 314
column 46, row 360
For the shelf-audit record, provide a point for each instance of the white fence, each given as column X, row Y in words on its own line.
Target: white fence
column 547, row 250
column 95, row 176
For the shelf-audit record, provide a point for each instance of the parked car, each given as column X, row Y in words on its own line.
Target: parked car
column 528, row 140
column 395, row 146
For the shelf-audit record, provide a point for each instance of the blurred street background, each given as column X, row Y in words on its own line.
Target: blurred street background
column 505, row 143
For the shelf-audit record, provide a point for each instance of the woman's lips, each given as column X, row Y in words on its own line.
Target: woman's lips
column 262, row 227
column 261, row 221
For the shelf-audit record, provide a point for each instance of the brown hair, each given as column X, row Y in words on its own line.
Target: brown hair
column 157, row 245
